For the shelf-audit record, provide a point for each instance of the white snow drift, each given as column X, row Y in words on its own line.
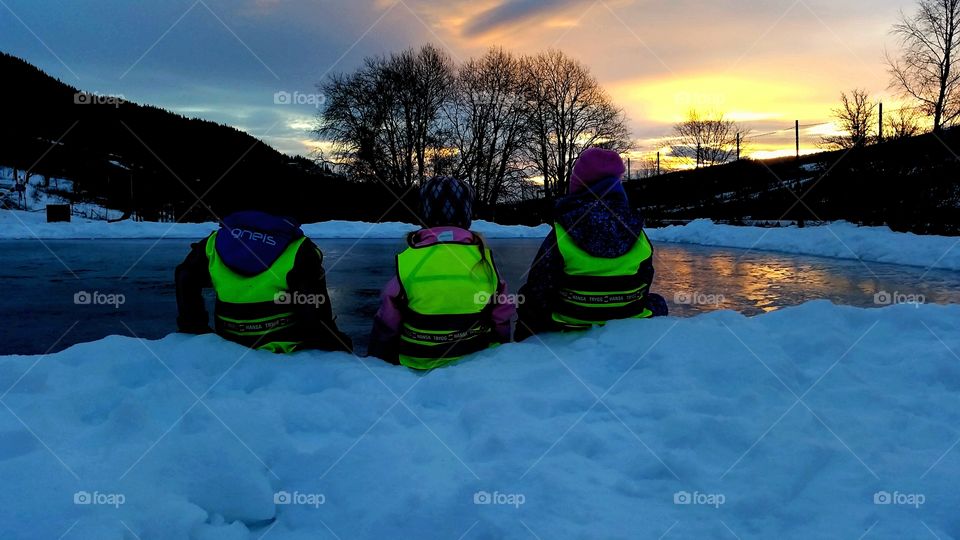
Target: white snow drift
column 812, row 422
column 841, row 240
column 31, row 225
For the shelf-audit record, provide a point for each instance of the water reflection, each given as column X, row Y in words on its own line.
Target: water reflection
column 759, row 282
column 38, row 307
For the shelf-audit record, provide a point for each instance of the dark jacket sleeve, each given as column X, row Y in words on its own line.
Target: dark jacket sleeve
column 537, row 295
column 308, row 278
column 192, row 276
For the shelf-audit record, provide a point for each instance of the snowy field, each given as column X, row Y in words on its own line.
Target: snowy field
column 817, row 421
column 41, row 191
column 840, row 240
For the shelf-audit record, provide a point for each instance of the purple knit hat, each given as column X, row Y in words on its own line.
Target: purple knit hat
column 594, row 165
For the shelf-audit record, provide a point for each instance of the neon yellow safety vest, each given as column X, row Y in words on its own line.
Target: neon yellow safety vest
column 449, row 289
column 255, row 310
column 595, row 290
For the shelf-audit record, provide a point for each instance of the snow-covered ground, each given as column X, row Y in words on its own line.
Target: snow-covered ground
column 840, row 239
column 817, row 421
column 41, row 191
column 29, row 225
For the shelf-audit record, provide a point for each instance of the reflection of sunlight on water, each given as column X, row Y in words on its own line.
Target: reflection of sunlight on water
column 696, row 279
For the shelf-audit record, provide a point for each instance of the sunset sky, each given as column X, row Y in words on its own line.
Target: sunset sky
column 766, row 63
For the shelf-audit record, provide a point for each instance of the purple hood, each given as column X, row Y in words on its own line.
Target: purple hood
column 249, row 242
column 600, row 219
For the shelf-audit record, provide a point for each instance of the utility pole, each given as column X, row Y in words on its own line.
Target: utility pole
column 658, row 163
column 133, row 201
column 880, row 138
column 628, row 169
column 797, row 129
column 738, row 146
column 698, row 155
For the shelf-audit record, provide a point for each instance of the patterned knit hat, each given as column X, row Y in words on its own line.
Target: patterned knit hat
column 447, row 202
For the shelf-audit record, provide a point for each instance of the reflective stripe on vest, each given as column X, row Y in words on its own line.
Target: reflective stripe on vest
column 448, row 289
column 594, row 289
column 250, row 310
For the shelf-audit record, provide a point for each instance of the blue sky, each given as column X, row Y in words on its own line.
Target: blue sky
column 764, row 61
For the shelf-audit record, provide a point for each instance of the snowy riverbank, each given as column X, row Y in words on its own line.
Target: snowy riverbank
column 802, row 423
column 840, row 240
column 30, row 225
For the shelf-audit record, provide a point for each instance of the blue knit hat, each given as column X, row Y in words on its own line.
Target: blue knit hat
column 446, row 201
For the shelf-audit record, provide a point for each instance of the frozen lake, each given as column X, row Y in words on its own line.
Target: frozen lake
column 38, row 313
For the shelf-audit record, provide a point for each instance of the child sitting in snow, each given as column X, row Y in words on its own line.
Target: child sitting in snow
column 597, row 263
column 270, row 285
column 447, row 299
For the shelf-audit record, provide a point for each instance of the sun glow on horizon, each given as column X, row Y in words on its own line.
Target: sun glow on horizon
column 669, row 100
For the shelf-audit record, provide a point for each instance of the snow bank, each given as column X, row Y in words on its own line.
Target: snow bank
column 29, row 225
column 841, row 240
column 812, row 422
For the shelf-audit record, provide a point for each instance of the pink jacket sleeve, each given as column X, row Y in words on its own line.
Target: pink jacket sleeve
column 386, row 323
column 504, row 308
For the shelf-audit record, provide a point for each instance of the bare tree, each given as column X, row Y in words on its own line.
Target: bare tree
column 644, row 167
column 498, row 121
column 707, row 139
column 487, row 119
column 903, row 123
column 356, row 109
column 856, row 117
column 383, row 120
column 21, row 184
column 568, row 112
column 928, row 69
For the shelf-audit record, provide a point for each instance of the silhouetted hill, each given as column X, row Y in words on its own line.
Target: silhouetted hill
column 130, row 156
column 909, row 184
